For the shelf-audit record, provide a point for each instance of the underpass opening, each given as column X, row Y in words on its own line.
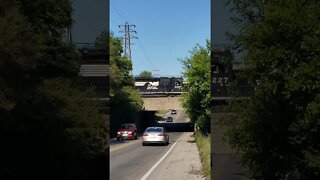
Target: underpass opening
column 178, row 127
column 148, row 118
column 150, row 115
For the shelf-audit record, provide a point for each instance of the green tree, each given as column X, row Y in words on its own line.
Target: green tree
column 277, row 129
column 124, row 98
column 145, row 74
column 49, row 129
column 51, row 18
column 197, row 75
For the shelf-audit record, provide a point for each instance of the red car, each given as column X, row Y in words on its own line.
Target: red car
column 127, row 131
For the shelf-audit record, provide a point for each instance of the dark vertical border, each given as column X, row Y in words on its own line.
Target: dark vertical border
column 108, row 91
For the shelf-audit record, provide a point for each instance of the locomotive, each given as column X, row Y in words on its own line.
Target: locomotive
column 159, row 85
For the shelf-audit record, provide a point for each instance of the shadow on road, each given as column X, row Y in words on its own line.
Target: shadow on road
column 192, row 141
column 177, row 127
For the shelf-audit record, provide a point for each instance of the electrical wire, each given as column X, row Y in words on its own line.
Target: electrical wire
column 122, row 16
column 119, row 12
column 145, row 53
column 115, row 12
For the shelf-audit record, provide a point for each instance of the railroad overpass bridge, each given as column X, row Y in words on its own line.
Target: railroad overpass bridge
column 156, row 103
column 162, row 100
column 160, row 93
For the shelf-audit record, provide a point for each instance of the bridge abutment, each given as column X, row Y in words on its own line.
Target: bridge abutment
column 162, row 103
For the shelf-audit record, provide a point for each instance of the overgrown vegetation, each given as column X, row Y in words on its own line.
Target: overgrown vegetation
column 197, row 75
column 204, row 146
column 197, row 101
column 277, row 130
column 125, row 99
column 48, row 127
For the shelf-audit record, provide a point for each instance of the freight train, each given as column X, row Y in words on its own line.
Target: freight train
column 159, row 85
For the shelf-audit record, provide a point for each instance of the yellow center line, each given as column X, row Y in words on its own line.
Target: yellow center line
column 117, row 147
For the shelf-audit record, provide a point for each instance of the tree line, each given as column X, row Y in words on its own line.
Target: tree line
column 196, row 72
column 49, row 129
column 276, row 131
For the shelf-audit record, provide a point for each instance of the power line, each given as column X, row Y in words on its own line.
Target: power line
column 115, row 12
column 118, row 11
column 112, row 21
column 145, row 63
column 145, row 53
column 127, row 47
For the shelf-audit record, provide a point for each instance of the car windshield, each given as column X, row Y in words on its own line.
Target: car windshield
column 125, row 127
column 154, row 130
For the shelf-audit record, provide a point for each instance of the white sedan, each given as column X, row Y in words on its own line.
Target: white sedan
column 155, row 135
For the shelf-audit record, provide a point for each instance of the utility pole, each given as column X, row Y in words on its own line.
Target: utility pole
column 127, row 38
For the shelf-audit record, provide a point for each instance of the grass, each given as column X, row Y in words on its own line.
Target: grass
column 203, row 143
column 161, row 112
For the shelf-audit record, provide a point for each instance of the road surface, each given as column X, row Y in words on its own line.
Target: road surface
column 180, row 117
column 130, row 160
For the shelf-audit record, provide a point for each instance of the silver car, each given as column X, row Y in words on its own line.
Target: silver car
column 155, row 135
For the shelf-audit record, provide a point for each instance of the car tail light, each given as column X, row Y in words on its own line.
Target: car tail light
column 145, row 134
column 130, row 132
column 161, row 134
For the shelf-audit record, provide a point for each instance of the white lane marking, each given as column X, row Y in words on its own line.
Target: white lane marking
column 154, row 166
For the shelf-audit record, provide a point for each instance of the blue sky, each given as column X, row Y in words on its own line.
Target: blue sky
column 167, row 29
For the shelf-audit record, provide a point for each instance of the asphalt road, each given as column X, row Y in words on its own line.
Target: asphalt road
column 130, row 160
column 134, row 161
column 180, row 117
